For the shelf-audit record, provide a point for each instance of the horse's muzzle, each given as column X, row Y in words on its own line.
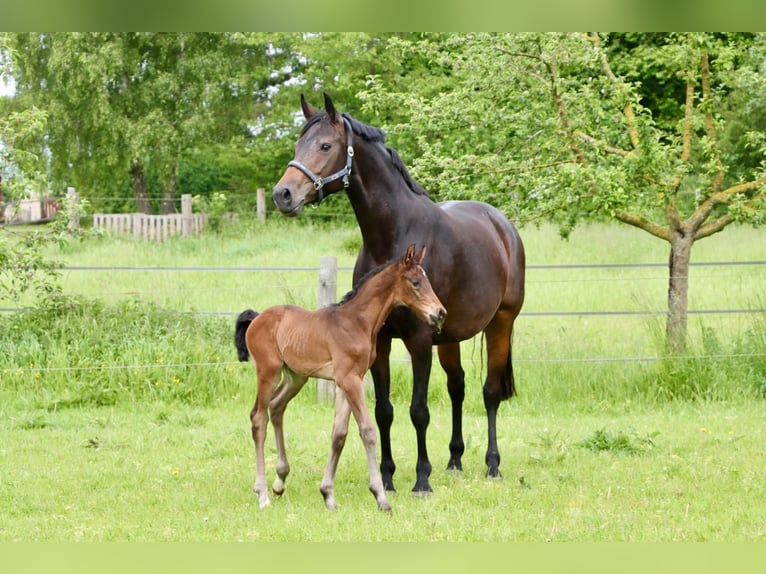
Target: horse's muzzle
column 285, row 202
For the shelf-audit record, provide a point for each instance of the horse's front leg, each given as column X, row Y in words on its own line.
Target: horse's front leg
column 449, row 357
column 292, row 383
column 419, row 347
column 384, row 410
column 339, row 433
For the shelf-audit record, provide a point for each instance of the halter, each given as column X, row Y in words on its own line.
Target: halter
column 320, row 182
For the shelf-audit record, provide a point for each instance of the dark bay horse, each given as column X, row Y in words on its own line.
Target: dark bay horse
column 338, row 343
column 476, row 266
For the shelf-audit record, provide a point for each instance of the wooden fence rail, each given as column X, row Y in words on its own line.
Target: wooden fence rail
column 153, row 227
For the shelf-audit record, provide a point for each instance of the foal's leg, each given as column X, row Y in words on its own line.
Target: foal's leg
column 449, row 357
column 259, row 418
column 339, row 433
column 353, row 387
column 292, row 383
column 420, row 349
column 499, row 377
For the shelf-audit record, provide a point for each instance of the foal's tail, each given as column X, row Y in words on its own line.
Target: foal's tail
column 243, row 322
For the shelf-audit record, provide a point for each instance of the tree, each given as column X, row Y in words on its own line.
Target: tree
column 128, row 105
column 545, row 126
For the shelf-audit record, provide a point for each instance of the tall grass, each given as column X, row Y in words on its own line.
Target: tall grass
column 128, row 335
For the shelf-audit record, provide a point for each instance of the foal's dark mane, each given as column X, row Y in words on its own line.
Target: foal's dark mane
column 350, row 295
column 373, row 135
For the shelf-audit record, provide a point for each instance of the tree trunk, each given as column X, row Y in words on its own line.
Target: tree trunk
column 169, row 195
column 678, row 291
column 140, row 191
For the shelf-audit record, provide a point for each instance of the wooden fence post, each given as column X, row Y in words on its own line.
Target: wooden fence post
column 328, row 286
column 73, row 201
column 261, row 204
column 186, row 214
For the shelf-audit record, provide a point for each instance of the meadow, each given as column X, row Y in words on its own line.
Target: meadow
column 125, row 413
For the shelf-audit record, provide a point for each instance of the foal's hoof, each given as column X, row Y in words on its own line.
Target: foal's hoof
column 454, row 465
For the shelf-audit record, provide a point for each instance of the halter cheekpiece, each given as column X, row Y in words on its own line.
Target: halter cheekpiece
column 320, row 182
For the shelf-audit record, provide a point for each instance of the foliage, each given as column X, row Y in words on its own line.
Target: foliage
column 129, row 104
column 26, row 265
column 545, row 126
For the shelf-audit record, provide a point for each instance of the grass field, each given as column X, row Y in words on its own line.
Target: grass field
column 123, row 419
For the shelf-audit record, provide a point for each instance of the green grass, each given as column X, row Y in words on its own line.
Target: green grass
column 125, row 416
column 172, row 472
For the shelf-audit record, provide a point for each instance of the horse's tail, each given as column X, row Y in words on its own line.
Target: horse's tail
column 509, row 384
column 243, row 322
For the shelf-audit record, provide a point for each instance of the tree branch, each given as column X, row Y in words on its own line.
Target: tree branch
column 630, row 116
column 599, row 144
column 717, row 182
column 697, row 218
column 641, row 222
column 714, row 226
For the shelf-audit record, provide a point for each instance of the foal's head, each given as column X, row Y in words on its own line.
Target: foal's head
column 413, row 289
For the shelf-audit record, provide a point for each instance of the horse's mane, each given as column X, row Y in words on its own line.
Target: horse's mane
column 350, row 295
column 373, row 135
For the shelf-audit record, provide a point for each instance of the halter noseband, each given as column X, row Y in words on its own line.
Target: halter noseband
column 320, row 182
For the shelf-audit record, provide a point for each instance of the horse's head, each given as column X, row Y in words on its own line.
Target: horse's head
column 414, row 290
column 322, row 162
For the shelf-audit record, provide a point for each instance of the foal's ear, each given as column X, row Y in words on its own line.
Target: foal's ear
column 309, row 111
column 330, row 109
column 419, row 257
column 407, row 259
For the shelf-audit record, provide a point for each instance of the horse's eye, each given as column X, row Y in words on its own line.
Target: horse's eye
column 325, row 147
column 415, row 283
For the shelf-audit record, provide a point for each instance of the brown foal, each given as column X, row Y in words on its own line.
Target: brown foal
column 337, row 343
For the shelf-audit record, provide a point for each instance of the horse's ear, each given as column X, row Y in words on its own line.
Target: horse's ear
column 330, row 109
column 420, row 256
column 407, row 259
column 309, row 111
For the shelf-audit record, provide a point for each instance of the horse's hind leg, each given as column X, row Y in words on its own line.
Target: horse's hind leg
column 259, row 419
column 291, row 385
column 449, row 357
column 499, row 383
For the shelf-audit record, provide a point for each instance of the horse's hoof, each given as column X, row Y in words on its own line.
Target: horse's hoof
column 384, row 507
column 422, row 489
column 454, row 466
column 388, row 485
column 494, row 474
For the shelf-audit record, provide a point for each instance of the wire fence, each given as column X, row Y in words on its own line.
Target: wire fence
column 99, row 269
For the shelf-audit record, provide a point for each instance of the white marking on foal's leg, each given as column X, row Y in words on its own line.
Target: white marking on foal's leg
column 263, row 495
